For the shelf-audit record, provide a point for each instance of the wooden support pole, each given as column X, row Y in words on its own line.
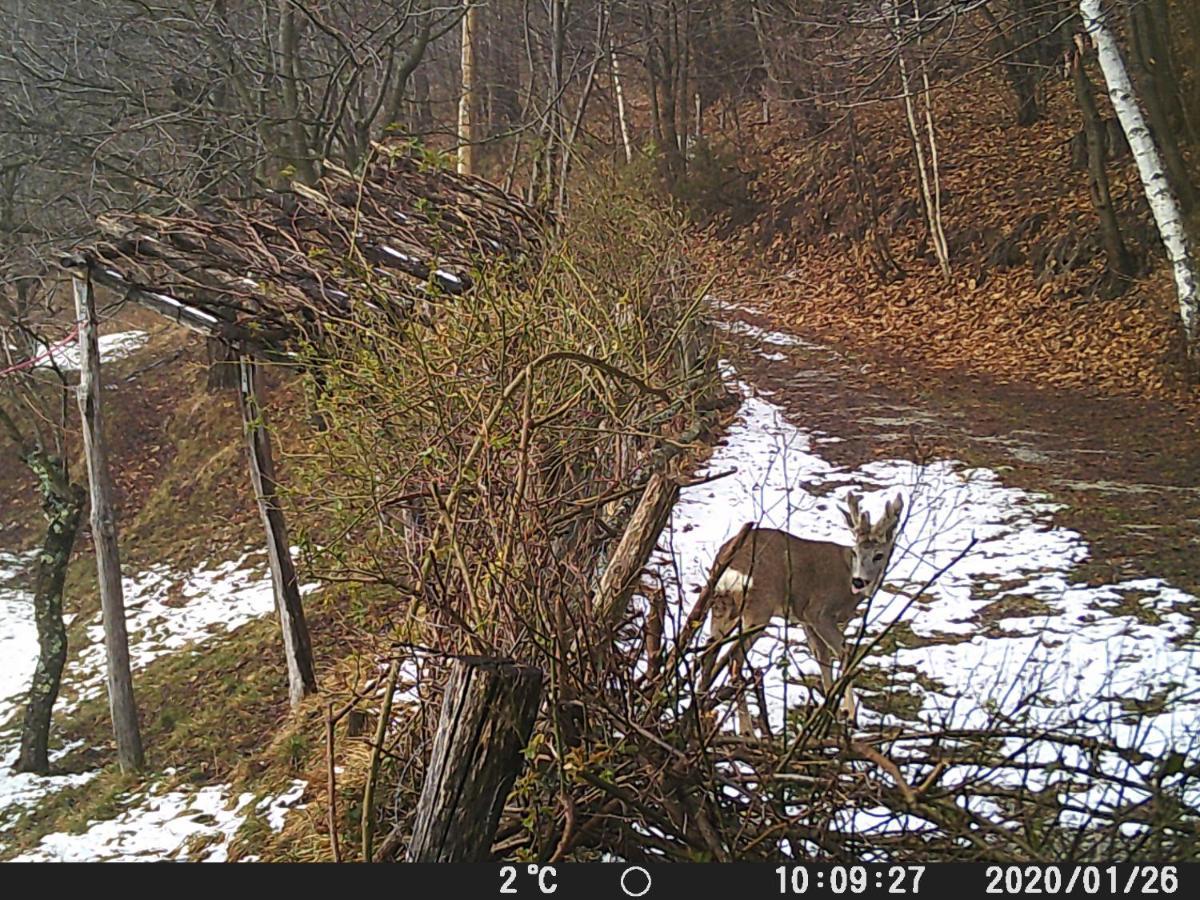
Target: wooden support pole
column 297, row 647
column 121, row 703
column 487, row 718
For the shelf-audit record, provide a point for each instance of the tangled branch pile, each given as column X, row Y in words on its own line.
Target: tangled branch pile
column 501, row 479
column 384, row 242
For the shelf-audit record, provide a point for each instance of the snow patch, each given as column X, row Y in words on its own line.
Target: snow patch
column 163, row 824
column 778, row 338
column 166, row 613
column 112, row 347
column 1064, row 641
column 18, row 634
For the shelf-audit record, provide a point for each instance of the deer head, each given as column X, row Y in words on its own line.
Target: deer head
column 873, row 543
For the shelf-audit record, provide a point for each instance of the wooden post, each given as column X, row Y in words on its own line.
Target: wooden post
column 297, row 646
column 487, row 717
column 620, row 578
column 121, row 703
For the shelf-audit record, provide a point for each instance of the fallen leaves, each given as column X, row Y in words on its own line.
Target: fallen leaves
column 998, row 321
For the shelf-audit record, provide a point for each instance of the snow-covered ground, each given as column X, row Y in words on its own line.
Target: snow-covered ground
column 166, row 613
column 1086, row 658
column 18, row 634
column 166, row 824
column 18, row 657
column 112, row 347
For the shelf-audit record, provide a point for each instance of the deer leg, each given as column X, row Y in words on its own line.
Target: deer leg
column 821, row 652
column 829, row 635
column 745, row 725
column 754, row 618
column 726, row 626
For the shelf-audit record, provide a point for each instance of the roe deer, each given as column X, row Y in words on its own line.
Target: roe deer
column 816, row 583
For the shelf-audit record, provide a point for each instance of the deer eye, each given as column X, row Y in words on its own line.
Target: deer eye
column 878, row 557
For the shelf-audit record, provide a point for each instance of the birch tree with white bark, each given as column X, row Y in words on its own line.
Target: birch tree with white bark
column 466, row 100
column 1159, row 195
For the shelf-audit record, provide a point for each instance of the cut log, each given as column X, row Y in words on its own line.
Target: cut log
column 487, row 718
column 121, row 701
column 297, row 647
column 621, row 576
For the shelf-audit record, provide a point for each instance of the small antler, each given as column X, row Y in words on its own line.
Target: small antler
column 859, row 521
column 890, row 519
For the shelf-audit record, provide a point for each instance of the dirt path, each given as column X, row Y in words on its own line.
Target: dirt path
column 1126, row 471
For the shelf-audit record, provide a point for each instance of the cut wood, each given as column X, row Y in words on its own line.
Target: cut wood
column 487, row 717
column 620, row 577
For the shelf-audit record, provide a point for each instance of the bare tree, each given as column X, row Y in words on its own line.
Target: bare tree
column 467, row 97
column 33, row 416
column 1120, row 262
column 1157, row 185
column 928, row 173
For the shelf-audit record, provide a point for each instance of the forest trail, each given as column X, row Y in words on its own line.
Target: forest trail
column 1123, row 470
column 1055, row 529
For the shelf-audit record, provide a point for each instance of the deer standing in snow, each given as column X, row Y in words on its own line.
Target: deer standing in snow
column 819, row 584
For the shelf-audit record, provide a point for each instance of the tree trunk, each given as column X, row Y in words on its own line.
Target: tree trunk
column 487, row 718
column 299, row 153
column 943, row 248
column 1162, row 201
column 297, row 646
column 930, row 186
column 466, row 100
column 409, row 66
column 222, row 366
column 1166, row 72
column 63, row 504
column 421, row 110
column 552, row 132
column 568, row 144
column 1018, row 53
column 771, row 89
column 620, row 95
column 1193, row 13
column 1119, row 260
column 620, row 577
column 1158, row 94
column 121, row 701
column 881, row 258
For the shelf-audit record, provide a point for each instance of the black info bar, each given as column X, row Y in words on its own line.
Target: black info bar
column 733, row 881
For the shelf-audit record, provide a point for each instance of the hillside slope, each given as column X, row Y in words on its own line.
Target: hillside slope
column 1027, row 301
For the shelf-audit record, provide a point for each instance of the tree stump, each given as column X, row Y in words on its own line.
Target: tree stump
column 487, row 717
